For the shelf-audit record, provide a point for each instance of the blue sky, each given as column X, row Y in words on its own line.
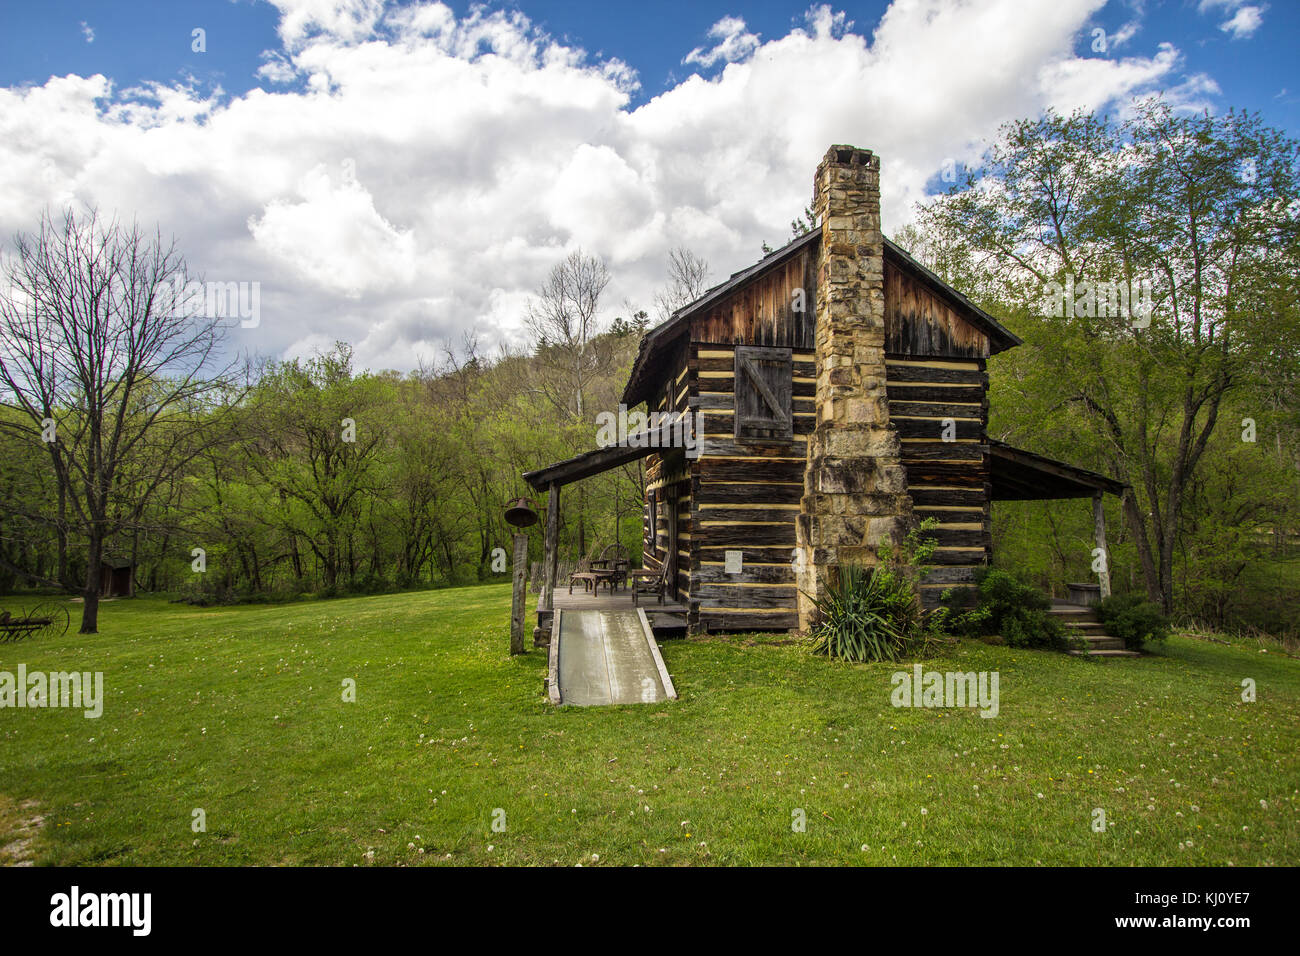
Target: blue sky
column 400, row 175
column 141, row 41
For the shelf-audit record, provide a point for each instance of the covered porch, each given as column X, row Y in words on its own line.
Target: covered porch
column 1019, row 475
column 556, row 593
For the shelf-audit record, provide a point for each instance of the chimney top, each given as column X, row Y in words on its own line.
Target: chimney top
column 848, row 156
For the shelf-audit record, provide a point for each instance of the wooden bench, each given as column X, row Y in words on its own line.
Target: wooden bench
column 590, row 580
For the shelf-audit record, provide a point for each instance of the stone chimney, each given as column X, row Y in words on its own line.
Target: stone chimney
column 855, row 488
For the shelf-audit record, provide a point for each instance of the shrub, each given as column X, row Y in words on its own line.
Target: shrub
column 1018, row 612
column 1133, row 620
column 868, row 614
column 875, row 614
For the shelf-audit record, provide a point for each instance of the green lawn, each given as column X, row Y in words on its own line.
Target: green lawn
column 239, row 712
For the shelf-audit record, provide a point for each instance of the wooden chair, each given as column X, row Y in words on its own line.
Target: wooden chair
column 615, row 558
column 648, row 581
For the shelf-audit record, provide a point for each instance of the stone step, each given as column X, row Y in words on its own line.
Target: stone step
column 1106, row 653
column 1076, row 615
column 1104, row 643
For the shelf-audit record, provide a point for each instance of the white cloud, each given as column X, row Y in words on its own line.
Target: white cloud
column 1244, row 22
column 1125, row 33
column 344, row 20
column 276, row 67
column 1246, row 17
column 408, row 175
column 88, row 32
column 334, row 237
column 734, row 43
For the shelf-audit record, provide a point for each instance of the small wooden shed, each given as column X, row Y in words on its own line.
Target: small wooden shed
column 116, row 577
column 837, row 393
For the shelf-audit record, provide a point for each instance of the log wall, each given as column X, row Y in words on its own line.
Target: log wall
column 948, row 480
column 668, row 475
column 745, row 497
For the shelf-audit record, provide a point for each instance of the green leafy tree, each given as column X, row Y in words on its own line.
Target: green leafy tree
column 1067, row 216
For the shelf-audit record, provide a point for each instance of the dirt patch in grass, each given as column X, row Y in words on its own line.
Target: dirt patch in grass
column 20, row 826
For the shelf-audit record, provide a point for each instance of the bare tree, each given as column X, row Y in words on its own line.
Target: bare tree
column 563, row 317
column 107, row 361
column 688, row 276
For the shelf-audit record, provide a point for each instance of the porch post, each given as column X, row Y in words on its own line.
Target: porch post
column 519, row 595
column 1099, row 535
column 551, row 557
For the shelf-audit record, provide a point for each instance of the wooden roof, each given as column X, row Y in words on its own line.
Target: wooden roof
column 656, row 438
column 585, row 465
column 647, row 369
column 1019, row 475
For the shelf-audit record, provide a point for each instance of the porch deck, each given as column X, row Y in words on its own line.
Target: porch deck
column 604, row 600
column 669, row 616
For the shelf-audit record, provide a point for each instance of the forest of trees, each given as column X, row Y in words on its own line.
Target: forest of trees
column 124, row 436
column 325, row 479
column 1195, row 403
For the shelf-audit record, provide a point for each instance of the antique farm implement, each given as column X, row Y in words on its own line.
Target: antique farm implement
column 48, row 620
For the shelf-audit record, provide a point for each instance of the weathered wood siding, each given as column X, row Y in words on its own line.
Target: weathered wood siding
column 921, row 321
column 935, row 370
column 763, row 311
column 948, row 480
column 745, row 497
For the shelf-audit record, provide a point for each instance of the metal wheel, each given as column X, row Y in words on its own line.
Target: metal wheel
column 55, row 617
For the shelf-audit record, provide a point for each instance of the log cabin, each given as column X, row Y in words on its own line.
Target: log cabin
column 838, row 391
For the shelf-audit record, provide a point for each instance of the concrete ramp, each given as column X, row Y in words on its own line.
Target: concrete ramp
column 606, row 657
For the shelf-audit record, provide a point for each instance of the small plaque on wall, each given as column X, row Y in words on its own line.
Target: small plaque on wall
column 735, row 562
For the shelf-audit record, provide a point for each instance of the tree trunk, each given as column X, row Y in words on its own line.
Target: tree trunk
column 1150, row 577
column 90, row 595
column 64, row 575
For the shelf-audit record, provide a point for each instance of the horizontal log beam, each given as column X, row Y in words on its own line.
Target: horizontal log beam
column 935, row 428
column 720, row 493
column 757, row 535
column 716, row 619
column 942, row 451
column 908, row 372
column 744, row 469
column 750, row 573
column 744, row 596
column 934, row 393
column 972, row 411
column 756, row 554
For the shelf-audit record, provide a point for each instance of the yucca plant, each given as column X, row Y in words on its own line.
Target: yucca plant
column 867, row 614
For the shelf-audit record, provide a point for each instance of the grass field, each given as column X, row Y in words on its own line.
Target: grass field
column 239, row 712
